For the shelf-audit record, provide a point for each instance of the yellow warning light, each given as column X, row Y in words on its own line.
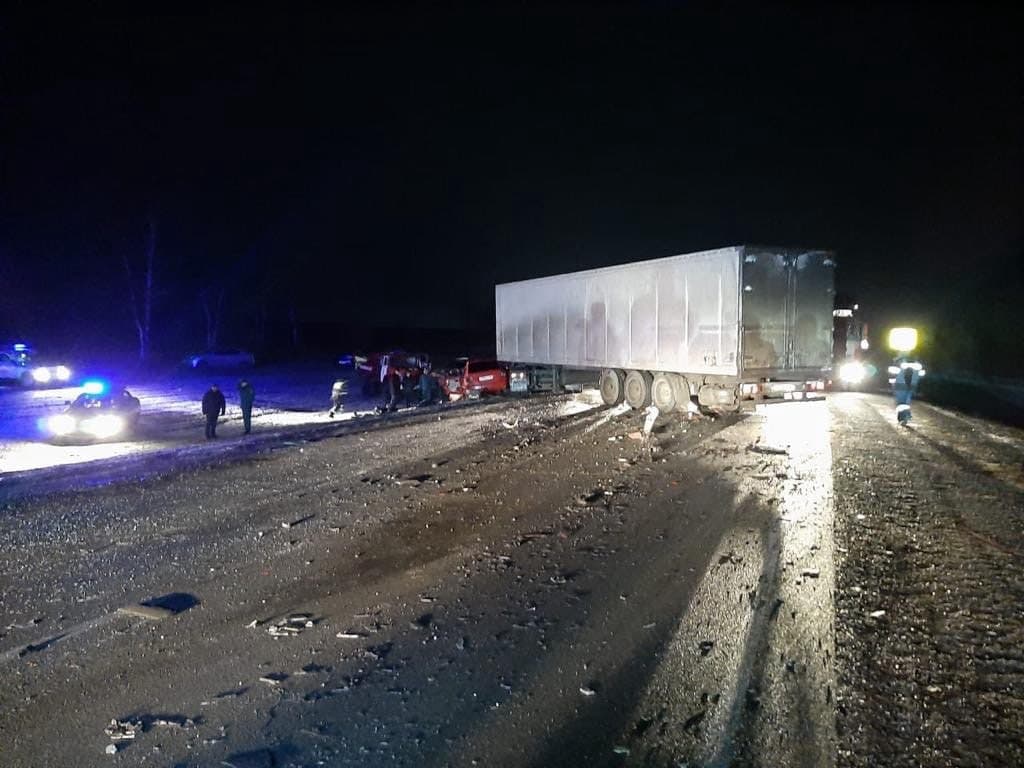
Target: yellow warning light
column 903, row 339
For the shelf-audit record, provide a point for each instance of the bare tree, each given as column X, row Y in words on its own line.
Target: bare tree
column 141, row 296
column 293, row 321
column 212, row 300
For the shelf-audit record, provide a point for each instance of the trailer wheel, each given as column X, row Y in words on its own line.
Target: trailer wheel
column 663, row 392
column 682, row 389
column 638, row 389
column 611, row 386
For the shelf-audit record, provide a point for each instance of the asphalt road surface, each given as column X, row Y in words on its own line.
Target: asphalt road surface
column 526, row 583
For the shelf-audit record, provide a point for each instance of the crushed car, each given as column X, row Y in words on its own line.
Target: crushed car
column 372, row 369
column 471, row 378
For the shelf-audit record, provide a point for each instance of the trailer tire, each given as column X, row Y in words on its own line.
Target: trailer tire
column 638, row 389
column 664, row 392
column 682, row 390
column 611, row 386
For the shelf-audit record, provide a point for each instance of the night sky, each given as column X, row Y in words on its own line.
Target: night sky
column 386, row 164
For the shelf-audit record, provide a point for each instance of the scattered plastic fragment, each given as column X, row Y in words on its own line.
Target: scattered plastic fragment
column 291, row 625
column 123, row 730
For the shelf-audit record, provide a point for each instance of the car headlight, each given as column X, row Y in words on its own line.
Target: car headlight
column 42, row 375
column 852, row 373
column 104, row 425
column 63, row 372
column 61, row 424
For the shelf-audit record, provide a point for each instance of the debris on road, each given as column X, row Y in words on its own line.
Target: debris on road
column 706, row 646
column 587, row 691
column 768, row 449
column 423, row 621
column 588, row 499
column 123, row 730
column 651, row 415
column 150, row 612
column 291, row 625
column 810, row 573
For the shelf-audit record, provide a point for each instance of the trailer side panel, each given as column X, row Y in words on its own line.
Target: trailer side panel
column 675, row 314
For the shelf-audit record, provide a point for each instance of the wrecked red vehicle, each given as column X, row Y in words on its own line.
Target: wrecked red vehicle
column 473, row 378
column 370, row 368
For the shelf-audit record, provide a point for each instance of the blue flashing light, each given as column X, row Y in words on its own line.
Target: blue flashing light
column 20, row 347
column 94, row 387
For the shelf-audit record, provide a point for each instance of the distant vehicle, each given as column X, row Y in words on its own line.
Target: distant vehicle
column 851, row 351
column 473, row 378
column 222, row 357
column 101, row 412
column 18, row 363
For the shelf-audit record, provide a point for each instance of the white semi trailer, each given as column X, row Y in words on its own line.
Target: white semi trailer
column 723, row 326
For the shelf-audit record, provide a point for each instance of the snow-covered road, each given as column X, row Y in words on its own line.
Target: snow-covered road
column 285, row 400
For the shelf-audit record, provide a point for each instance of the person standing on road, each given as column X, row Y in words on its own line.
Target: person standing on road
column 338, row 390
column 246, row 394
column 907, row 374
column 213, row 408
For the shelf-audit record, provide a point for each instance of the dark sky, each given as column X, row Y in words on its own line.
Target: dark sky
column 388, row 163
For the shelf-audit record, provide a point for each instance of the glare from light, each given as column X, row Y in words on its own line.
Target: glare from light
column 63, row 372
column 94, row 387
column 20, row 347
column 903, row 339
column 864, row 344
column 104, row 425
column 61, row 424
column 42, row 375
column 852, row 372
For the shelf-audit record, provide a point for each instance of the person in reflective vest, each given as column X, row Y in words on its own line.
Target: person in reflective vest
column 905, row 375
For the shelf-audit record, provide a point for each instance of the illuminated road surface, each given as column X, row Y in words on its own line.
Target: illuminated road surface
column 520, row 585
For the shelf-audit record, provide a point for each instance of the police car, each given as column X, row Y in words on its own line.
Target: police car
column 18, row 365
column 100, row 412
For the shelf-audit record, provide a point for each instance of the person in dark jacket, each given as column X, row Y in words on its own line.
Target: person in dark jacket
column 213, row 408
column 246, row 394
